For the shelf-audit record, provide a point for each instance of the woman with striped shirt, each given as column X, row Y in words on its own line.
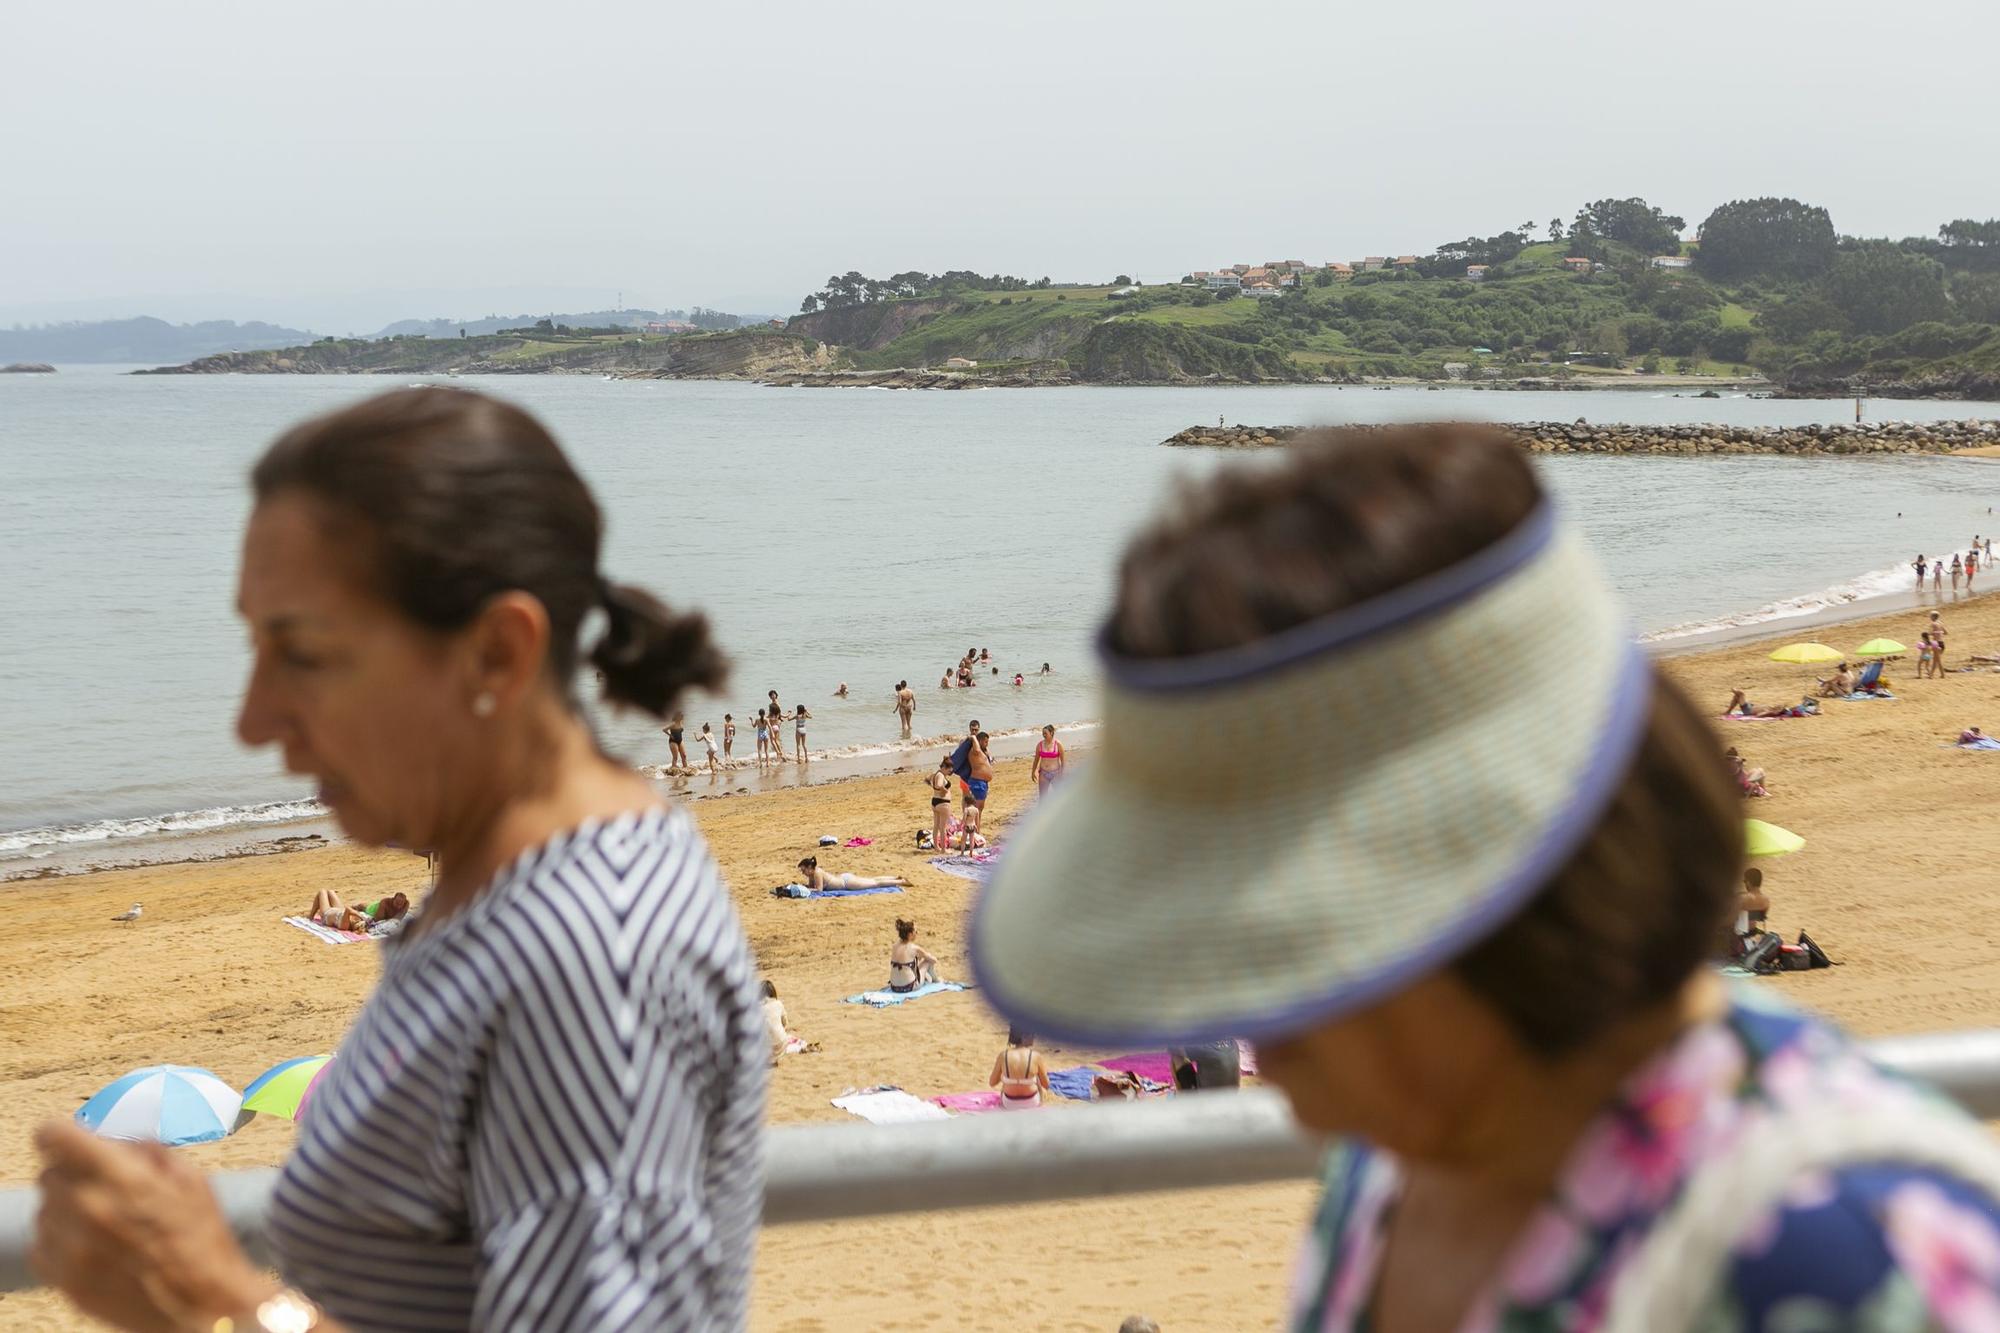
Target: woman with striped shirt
column 546, row 1116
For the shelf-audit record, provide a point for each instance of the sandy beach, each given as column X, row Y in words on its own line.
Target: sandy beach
column 1895, row 882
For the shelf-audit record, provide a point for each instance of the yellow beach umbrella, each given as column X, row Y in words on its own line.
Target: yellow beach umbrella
column 1807, row 653
column 1762, row 839
column 1880, row 648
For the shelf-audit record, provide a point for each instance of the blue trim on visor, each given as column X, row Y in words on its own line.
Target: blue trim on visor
column 1364, row 620
column 1630, row 709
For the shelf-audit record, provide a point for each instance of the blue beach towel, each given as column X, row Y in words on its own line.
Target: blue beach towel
column 882, row 999
column 1859, row 695
column 1072, row 1083
column 1983, row 743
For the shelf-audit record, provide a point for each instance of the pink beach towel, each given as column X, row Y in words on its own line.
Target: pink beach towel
column 969, row 1103
column 859, row 842
column 1153, row 1065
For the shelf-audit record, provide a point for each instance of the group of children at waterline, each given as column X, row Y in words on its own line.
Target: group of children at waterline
column 1962, row 567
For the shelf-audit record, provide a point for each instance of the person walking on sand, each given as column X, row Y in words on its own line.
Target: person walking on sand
column 728, row 734
column 416, row 572
column 906, row 704
column 939, row 781
column 1937, row 644
column 1049, row 761
column 677, row 755
column 708, row 741
column 800, row 715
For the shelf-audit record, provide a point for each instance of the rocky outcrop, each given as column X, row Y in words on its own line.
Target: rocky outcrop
column 28, row 368
column 1961, row 385
column 870, row 326
column 1557, row 437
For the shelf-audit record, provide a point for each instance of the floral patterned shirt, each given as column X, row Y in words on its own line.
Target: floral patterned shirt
column 1862, row 1249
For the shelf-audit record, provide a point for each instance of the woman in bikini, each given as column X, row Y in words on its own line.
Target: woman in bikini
column 799, row 717
column 910, row 964
column 939, row 782
column 1020, row 1073
column 1049, row 761
column 328, row 910
column 816, row 879
column 677, row 755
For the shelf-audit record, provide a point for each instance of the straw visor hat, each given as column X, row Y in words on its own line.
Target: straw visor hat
column 1277, row 834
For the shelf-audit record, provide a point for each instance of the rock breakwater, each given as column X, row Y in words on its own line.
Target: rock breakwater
column 1558, row 437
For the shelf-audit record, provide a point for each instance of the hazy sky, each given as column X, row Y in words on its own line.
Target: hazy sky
column 340, row 165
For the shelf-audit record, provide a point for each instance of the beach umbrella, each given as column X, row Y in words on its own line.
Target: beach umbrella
column 1880, row 648
column 281, row 1089
column 1806, row 653
column 1763, row 839
column 312, row 1086
column 170, row 1104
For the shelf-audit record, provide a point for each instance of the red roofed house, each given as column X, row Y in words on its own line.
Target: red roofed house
column 1476, row 272
column 1406, row 261
column 1577, row 264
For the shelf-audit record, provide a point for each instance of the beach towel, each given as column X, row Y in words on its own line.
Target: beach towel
column 889, row 1106
column 327, row 933
column 882, row 999
column 969, row 1103
column 1073, row 1083
column 1859, row 695
column 1983, row 743
column 975, row 866
column 859, row 842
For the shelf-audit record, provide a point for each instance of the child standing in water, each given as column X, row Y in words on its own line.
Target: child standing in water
column 728, row 734
column 708, row 740
column 763, row 737
column 799, row 732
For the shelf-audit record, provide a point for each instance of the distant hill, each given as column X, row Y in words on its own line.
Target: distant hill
column 144, row 339
column 714, row 321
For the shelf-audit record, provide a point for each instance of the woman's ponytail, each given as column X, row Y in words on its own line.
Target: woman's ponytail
column 650, row 655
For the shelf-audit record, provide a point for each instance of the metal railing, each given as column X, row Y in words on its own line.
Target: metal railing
column 821, row 1171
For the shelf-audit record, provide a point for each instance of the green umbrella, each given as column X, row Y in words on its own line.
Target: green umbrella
column 1880, row 648
column 279, row 1089
column 1762, row 839
column 1807, row 653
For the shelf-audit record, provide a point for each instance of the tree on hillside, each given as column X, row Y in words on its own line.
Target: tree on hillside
column 1633, row 222
column 1555, row 229
column 1977, row 297
column 1966, row 232
column 1880, row 288
column 1778, row 236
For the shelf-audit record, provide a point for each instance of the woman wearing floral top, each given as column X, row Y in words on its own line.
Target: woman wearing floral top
column 1468, row 920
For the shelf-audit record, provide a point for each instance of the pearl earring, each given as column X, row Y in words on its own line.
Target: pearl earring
column 484, row 703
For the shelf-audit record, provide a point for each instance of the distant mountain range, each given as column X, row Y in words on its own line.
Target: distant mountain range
column 145, row 340
column 150, row 341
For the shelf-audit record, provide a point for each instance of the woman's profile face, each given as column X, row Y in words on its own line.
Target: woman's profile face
column 356, row 697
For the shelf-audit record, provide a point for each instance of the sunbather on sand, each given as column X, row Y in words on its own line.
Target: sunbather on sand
column 1019, row 1073
column 1837, row 686
column 910, row 964
column 816, row 879
column 1971, row 736
column 328, row 910
column 1751, row 780
column 1741, row 706
column 783, row 1040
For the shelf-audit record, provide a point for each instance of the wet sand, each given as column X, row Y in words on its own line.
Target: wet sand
column 1895, row 882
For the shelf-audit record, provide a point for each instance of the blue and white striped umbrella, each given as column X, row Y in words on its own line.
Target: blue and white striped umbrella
column 170, row 1104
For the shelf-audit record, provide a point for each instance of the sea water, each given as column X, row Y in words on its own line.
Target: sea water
column 832, row 535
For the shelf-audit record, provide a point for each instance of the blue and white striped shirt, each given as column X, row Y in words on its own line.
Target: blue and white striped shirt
column 547, row 1115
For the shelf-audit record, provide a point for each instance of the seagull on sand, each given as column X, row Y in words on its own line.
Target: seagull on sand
column 130, row 914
